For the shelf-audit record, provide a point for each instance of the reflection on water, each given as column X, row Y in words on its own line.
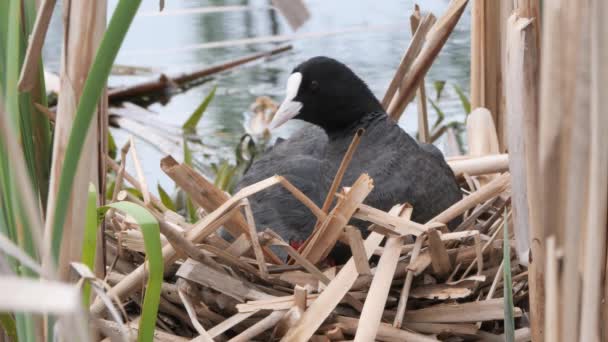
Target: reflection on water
column 373, row 54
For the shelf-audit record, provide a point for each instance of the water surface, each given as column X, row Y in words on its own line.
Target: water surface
column 172, row 43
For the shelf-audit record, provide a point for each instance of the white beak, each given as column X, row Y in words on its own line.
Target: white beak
column 289, row 108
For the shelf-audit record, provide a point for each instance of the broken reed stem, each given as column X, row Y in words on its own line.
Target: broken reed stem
column 485, row 246
column 348, row 156
column 521, row 87
column 319, row 213
column 324, row 238
column 116, row 167
column 416, row 44
column 551, row 318
column 405, row 290
column 253, row 238
column 140, row 172
column 204, row 228
column 594, row 257
column 228, row 323
column 121, row 171
column 164, row 81
column 334, row 292
column 371, row 316
column 258, row 328
column 495, row 187
column 29, row 71
column 193, row 318
column 486, row 75
column 496, row 280
column 423, row 122
column 310, row 267
column 475, row 166
column 436, row 38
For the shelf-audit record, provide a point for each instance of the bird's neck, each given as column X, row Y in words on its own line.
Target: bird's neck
column 363, row 121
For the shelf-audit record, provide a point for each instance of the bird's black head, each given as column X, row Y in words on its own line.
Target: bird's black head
column 326, row 93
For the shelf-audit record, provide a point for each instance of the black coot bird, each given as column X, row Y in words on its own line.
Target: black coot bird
column 336, row 102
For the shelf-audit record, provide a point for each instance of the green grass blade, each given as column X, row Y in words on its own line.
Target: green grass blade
column 190, row 209
column 39, row 124
column 508, row 285
column 151, row 232
column 93, row 87
column 165, row 198
column 438, row 85
column 466, row 105
column 9, row 326
column 195, row 117
column 112, row 148
column 89, row 244
column 440, row 114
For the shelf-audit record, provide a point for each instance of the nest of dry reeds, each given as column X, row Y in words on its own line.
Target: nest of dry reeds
column 404, row 281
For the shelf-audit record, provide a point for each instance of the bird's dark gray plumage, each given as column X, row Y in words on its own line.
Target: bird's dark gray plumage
column 337, row 103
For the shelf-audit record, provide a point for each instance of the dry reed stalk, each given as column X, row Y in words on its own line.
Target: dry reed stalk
column 385, row 331
column 135, row 183
column 497, row 279
column 471, row 218
column 310, row 267
column 564, row 145
column 460, row 313
column 164, row 81
column 220, row 281
column 202, row 192
column 416, row 43
column 597, row 210
column 436, row 38
column 319, row 213
column 521, row 87
column 486, row 78
column 140, row 172
column 278, row 303
column 475, row 166
column 393, row 224
column 121, row 172
column 348, row 156
column 258, row 328
column 485, row 247
column 200, row 231
column 114, row 330
column 295, row 12
column 440, row 261
column 525, row 112
column 85, row 23
column 323, row 239
column 481, row 133
column 423, row 119
column 253, row 238
column 204, row 336
column 207, row 196
column 332, row 295
column 444, row 328
column 29, row 72
column 398, row 322
column 227, row 324
column 551, row 318
column 490, row 190
column 530, row 9
column 357, row 248
column 482, row 138
column 375, row 302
